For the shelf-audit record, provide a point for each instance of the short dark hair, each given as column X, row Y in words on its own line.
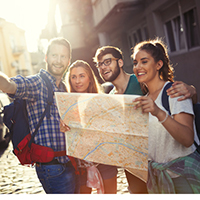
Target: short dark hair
column 60, row 41
column 116, row 52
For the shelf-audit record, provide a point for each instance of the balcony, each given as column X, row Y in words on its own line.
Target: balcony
column 109, row 14
column 17, row 50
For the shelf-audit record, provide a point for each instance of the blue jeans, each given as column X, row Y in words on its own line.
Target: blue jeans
column 58, row 178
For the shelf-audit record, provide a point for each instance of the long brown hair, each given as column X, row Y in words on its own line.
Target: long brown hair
column 158, row 51
column 94, row 86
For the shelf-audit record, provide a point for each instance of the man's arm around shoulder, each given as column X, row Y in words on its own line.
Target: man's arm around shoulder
column 7, row 85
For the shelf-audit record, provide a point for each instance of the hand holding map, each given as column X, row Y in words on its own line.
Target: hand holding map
column 106, row 129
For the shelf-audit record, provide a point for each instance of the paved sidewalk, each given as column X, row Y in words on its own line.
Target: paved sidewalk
column 18, row 179
column 15, row 178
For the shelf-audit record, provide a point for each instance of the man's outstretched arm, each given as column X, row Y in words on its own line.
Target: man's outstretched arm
column 6, row 85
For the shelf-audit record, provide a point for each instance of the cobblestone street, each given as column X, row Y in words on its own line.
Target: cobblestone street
column 15, row 178
column 18, row 179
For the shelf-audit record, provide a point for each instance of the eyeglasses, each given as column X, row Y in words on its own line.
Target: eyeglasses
column 106, row 62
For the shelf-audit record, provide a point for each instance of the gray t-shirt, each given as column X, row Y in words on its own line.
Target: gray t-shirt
column 162, row 146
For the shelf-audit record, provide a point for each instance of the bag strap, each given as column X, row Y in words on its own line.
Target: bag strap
column 60, row 153
column 47, row 109
column 165, row 97
column 50, row 93
column 196, row 108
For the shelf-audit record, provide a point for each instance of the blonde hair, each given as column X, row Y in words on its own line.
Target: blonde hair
column 94, row 86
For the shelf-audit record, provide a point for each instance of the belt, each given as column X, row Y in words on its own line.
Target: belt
column 53, row 162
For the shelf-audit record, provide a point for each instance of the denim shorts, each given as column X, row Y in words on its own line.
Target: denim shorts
column 58, row 178
column 106, row 171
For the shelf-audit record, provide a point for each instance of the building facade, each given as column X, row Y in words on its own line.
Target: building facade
column 90, row 24
column 14, row 56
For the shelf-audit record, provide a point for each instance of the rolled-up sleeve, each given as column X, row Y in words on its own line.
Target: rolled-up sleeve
column 27, row 87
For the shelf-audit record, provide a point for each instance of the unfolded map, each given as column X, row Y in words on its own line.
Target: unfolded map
column 106, row 129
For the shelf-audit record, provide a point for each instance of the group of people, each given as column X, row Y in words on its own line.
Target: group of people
column 173, row 160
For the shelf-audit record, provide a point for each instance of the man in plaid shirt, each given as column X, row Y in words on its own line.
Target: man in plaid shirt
column 57, row 176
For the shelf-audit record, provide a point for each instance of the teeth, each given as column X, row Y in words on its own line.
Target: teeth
column 141, row 73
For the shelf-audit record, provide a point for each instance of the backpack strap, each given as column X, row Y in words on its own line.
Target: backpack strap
column 47, row 109
column 50, row 93
column 196, row 108
column 165, row 97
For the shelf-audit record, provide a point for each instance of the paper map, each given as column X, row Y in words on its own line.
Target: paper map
column 106, row 129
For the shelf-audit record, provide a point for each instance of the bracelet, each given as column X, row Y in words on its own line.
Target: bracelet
column 166, row 116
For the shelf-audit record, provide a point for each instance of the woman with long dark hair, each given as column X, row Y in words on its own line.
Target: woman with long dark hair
column 174, row 163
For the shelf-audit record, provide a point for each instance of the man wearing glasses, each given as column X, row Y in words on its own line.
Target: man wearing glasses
column 109, row 61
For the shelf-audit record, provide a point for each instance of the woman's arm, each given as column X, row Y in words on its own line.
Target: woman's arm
column 180, row 127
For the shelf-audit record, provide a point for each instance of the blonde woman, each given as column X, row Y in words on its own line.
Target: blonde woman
column 81, row 78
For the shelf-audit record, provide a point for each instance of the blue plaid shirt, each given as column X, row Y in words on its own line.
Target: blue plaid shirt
column 160, row 182
column 34, row 90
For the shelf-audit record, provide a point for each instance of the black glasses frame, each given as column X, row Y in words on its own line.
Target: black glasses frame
column 106, row 62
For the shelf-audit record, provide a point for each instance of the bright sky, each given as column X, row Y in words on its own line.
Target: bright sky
column 29, row 15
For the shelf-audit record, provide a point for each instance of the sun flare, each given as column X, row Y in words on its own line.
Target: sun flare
column 29, row 15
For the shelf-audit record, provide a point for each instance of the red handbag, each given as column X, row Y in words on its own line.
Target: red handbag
column 35, row 153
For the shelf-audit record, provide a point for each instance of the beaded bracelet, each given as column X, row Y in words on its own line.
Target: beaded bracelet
column 165, row 118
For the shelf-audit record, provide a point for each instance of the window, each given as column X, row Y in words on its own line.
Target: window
column 174, row 29
column 170, row 36
column 138, row 35
column 179, row 35
column 183, row 31
column 12, row 42
column 192, row 32
column 130, row 41
column 146, row 33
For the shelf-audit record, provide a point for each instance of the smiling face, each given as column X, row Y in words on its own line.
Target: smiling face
column 79, row 80
column 111, row 71
column 145, row 67
column 58, row 60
